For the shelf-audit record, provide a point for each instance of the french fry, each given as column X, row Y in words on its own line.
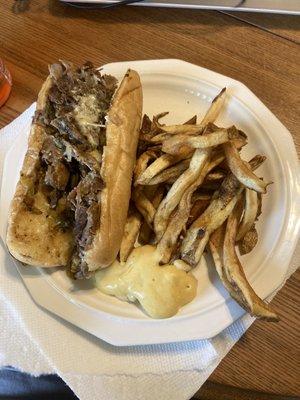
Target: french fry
column 241, row 169
column 198, row 208
column 146, row 231
column 146, row 125
column 250, row 212
column 192, row 129
column 171, row 130
column 130, row 235
column 144, row 205
column 160, row 164
column 215, row 108
column 249, row 241
column 142, row 163
column 235, row 273
column 174, row 195
column 180, row 217
column 191, row 121
column 179, row 143
column 217, row 212
column 216, row 242
column 169, row 174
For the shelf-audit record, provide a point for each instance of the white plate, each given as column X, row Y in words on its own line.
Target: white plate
column 184, row 90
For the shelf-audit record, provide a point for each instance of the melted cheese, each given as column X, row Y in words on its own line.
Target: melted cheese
column 161, row 290
column 86, row 112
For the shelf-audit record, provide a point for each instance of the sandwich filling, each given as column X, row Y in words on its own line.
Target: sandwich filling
column 74, row 125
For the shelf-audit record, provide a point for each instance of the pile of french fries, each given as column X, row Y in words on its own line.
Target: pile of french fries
column 193, row 192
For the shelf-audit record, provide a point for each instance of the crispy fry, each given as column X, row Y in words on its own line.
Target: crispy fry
column 249, row 241
column 256, row 162
column 179, row 220
column 250, row 212
column 198, row 208
column 143, row 204
column 235, row 273
column 241, row 170
column 211, row 185
column 186, row 129
column 191, row 121
column 215, row 108
column 217, row 212
column 174, row 195
column 200, row 196
column 212, row 180
column 142, row 163
column 192, row 129
column 131, row 232
column 146, row 124
column 159, row 116
column 146, row 231
column 160, row 164
column 215, row 176
column 171, row 130
column 179, row 143
column 170, row 174
column 216, row 242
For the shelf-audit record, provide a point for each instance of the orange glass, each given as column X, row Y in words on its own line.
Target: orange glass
column 5, row 83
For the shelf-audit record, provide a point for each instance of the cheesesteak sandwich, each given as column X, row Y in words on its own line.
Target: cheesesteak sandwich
column 71, row 201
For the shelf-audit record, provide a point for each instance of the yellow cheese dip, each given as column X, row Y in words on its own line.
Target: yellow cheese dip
column 161, row 290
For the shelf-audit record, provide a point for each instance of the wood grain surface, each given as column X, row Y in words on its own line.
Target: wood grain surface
column 260, row 51
column 285, row 26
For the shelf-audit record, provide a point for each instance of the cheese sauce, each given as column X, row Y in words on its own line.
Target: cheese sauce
column 161, row 290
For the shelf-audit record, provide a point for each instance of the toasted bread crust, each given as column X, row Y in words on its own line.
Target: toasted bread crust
column 122, row 133
column 29, row 236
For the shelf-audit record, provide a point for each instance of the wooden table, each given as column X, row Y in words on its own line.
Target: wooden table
column 259, row 50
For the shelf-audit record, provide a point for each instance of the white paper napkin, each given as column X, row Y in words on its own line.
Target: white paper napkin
column 37, row 342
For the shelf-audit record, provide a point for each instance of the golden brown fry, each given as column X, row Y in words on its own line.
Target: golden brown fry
column 215, row 108
column 188, row 127
column 192, row 129
column 211, row 185
column 170, row 174
column 191, row 121
column 146, row 125
column 131, row 232
column 250, row 212
column 179, row 143
column 159, row 116
column 158, row 195
column 146, row 231
column 143, row 204
column 241, row 169
column 198, row 208
column 180, row 217
column 216, row 242
column 215, row 176
column 171, row 130
column 169, row 203
column 249, row 241
column 216, row 213
column 235, row 273
column 160, row 164
column 142, row 163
